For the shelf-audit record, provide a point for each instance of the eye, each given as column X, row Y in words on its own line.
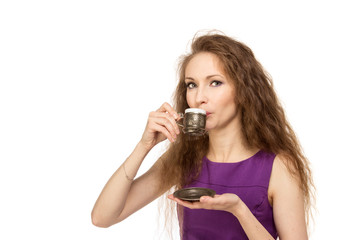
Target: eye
column 215, row 83
column 190, row 85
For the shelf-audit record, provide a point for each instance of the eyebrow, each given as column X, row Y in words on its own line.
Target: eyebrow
column 207, row 77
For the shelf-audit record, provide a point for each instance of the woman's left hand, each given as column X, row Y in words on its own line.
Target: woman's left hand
column 226, row 202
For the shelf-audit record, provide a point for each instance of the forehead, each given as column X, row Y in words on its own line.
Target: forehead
column 204, row 63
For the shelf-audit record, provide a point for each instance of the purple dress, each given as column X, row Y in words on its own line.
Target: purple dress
column 249, row 179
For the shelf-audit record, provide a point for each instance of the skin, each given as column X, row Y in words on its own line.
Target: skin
column 210, row 89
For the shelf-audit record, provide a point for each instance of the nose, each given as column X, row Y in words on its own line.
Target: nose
column 201, row 96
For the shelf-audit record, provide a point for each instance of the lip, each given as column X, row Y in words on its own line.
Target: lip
column 208, row 113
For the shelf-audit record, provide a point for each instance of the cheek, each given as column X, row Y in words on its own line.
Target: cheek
column 225, row 99
column 189, row 99
column 228, row 106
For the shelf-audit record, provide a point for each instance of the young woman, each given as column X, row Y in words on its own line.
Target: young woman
column 250, row 155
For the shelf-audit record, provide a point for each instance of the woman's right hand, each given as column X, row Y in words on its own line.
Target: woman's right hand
column 161, row 125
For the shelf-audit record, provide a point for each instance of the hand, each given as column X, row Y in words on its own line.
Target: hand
column 227, row 202
column 161, row 125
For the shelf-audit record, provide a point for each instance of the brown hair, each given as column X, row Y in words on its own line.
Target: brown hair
column 263, row 120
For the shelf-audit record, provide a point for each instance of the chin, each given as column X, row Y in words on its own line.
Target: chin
column 209, row 127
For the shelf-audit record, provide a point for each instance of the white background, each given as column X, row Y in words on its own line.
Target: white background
column 72, row 71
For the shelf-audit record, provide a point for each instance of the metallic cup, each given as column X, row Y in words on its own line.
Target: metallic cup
column 194, row 121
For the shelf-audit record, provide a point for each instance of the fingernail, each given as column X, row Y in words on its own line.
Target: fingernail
column 175, row 116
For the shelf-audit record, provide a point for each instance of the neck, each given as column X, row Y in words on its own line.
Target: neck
column 228, row 145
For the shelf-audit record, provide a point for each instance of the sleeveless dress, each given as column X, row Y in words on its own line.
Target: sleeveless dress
column 249, row 179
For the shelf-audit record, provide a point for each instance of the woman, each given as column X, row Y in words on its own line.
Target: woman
column 250, row 155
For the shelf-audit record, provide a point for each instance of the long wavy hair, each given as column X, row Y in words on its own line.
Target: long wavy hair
column 263, row 121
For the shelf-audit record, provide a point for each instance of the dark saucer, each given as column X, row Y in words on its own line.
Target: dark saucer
column 193, row 194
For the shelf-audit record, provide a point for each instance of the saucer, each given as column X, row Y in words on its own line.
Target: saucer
column 193, row 194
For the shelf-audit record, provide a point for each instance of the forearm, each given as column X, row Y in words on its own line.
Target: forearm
column 113, row 197
column 252, row 227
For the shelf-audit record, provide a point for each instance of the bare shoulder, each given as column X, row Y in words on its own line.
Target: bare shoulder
column 287, row 198
column 283, row 176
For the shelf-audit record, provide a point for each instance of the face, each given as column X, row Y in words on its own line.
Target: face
column 210, row 89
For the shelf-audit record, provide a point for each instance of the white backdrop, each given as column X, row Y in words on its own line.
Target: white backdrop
column 71, row 71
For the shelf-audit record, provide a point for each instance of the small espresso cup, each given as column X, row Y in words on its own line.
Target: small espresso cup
column 194, row 121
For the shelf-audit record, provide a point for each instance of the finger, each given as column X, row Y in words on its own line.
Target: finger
column 191, row 205
column 172, row 114
column 168, row 116
column 205, row 199
column 167, row 124
column 207, row 202
column 186, row 204
column 163, row 130
column 166, row 120
column 179, row 201
column 173, row 122
column 166, row 107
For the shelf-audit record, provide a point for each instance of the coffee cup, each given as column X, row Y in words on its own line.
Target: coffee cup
column 194, row 121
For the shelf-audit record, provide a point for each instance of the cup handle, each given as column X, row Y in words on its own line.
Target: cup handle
column 181, row 115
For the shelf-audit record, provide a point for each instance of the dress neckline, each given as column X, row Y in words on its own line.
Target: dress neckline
column 239, row 162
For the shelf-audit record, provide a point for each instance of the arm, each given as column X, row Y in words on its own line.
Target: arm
column 121, row 195
column 288, row 203
column 288, row 206
column 117, row 200
column 231, row 203
column 286, row 196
